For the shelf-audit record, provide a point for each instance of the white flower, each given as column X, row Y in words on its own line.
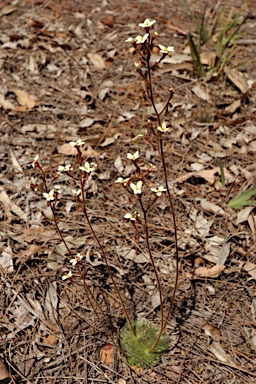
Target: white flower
column 141, row 39
column 166, row 50
column 77, row 143
column 147, row 23
column 88, row 167
column 130, row 40
column 67, row 276
column 64, row 168
column 76, row 260
column 133, row 157
column 163, row 127
column 35, row 161
column 158, row 191
column 75, row 192
column 58, row 188
column 122, row 181
column 136, row 187
column 49, row 196
column 131, row 216
column 137, row 66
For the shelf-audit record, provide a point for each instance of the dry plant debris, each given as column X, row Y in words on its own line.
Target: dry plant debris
column 67, row 74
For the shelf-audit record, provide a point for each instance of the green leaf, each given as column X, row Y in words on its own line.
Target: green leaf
column 242, row 200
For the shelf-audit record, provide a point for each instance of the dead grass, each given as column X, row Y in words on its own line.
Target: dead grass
column 78, row 80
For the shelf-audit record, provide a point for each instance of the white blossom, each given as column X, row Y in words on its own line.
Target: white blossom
column 76, row 259
column 130, row 40
column 163, row 127
column 67, row 276
column 122, row 181
column 137, row 65
column 133, row 157
column 166, row 50
column 141, row 39
column 77, row 143
column 131, row 216
column 49, row 196
column 75, row 192
column 136, row 187
column 58, row 188
column 158, row 191
column 88, row 167
column 35, row 161
column 147, row 23
column 64, row 168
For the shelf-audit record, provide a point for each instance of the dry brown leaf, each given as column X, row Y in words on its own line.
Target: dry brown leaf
column 212, row 272
column 6, row 260
column 110, row 140
column 201, row 94
column 4, row 373
column 219, row 352
column 243, row 215
column 24, row 99
column 7, row 10
column 108, row 20
column 118, row 164
column 212, row 331
column 39, row 233
column 15, row 163
column 233, row 106
column 68, row 150
column 208, row 58
column 252, row 146
column 212, row 208
column 6, row 104
column 121, row 381
column 107, row 354
column 29, row 251
column 208, row 175
column 50, row 340
column 97, row 61
column 224, row 253
column 237, row 78
column 250, row 268
column 4, row 198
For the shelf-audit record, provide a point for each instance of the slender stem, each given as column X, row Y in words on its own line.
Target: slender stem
column 176, row 245
column 107, row 263
column 161, row 152
column 151, row 96
column 59, row 231
column 91, row 297
column 153, row 264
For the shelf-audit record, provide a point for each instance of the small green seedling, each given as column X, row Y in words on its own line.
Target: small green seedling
column 242, row 200
column 139, row 349
column 223, row 33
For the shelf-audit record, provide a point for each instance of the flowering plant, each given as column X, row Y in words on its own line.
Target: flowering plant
column 140, row 194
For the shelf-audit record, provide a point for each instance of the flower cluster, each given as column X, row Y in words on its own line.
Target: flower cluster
column 74, row 262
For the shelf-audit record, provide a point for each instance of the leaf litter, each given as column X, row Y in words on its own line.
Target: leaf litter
column 63, row 76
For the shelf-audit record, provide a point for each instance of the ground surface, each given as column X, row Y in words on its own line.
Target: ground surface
column 66, row 73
